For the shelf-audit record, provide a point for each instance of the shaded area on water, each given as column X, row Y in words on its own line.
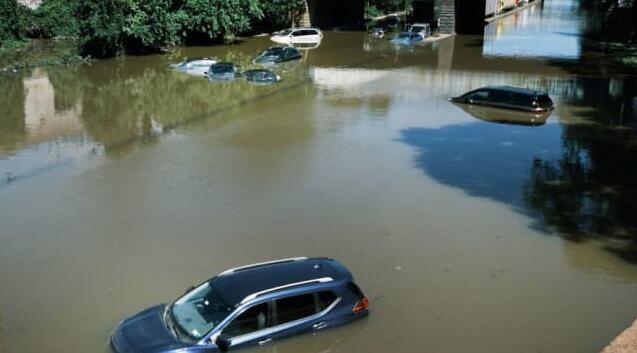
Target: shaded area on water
column 134, row 182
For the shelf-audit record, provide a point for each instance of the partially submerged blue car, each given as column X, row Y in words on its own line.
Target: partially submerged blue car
column 407, row 38
column 245, row 306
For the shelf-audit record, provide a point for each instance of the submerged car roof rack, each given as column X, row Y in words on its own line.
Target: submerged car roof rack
column 260, row 264
column 286, row 286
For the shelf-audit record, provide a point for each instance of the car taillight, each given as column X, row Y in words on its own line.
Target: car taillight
column 361, row 305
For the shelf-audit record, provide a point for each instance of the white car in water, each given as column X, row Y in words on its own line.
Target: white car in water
column 194, row 66
column 298, row 35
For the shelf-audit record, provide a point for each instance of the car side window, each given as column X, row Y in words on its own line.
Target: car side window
column 253, row 319
column 294, row 308
column 480, row 95
column 500, row 97
column 324, row 299
column 297, row 33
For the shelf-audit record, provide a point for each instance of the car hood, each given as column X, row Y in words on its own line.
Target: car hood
column 145, row 332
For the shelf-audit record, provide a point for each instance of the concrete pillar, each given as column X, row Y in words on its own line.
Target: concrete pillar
column 304, row 19
column 447, row 16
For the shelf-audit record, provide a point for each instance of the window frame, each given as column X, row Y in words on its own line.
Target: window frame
column 276, row 327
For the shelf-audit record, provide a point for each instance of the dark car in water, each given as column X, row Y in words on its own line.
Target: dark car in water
column 261, row 76
column 277, row 55
column 508, row 97
column 223, row 71
column 246, row 306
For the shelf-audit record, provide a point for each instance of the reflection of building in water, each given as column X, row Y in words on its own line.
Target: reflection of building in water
column 416, row 82
column 529, row 34
column 42, row 121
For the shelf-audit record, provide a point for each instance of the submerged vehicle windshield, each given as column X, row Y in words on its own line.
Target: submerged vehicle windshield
column 199, row 311
column 272, row 52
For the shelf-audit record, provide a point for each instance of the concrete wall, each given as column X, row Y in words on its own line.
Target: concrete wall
column 446, row 12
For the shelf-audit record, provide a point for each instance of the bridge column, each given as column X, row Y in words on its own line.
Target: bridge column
column 446, row 16
column 304, row 19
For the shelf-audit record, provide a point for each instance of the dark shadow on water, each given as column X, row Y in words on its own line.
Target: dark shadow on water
column 579, row 179
column 483, row 159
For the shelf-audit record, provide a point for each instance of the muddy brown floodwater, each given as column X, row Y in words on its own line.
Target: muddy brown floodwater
column 125, row 183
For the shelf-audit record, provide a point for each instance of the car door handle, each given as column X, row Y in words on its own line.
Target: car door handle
column 319, row 325
column 265, row 341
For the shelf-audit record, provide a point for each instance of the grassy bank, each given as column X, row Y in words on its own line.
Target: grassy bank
column 39, row 52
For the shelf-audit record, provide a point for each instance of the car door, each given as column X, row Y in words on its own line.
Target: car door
column 302, row 313
column 252, row 327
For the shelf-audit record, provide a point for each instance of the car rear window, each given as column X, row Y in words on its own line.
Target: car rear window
column 295, row 308
column 544, row 100
column 355, row 289
column 324, row 299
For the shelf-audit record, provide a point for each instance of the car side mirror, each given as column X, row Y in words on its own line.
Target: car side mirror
column 189, row 289
column 223, row 343
column 205, row 73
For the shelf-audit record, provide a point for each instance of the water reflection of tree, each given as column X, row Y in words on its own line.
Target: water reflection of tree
column 12, row 126
column 124, row 103
column 592, row 189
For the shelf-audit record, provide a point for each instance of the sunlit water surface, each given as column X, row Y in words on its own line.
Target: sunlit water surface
column 125, row 183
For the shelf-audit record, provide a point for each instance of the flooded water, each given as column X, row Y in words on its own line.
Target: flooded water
column 470, row 230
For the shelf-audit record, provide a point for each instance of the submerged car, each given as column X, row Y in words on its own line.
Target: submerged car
column 407, row 38
column 508, row 97
column 277, row 55
column 261, row 76
column 223, row 71
column 420, row 28
column 194, row 66
column 298, row 35
column 377, row 32
column 246, row 306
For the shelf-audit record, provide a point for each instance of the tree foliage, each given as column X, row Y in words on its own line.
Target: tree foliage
column 105, row 28
column 376, row 8
column 11, row 22
column 214, row 19
column 54, row 18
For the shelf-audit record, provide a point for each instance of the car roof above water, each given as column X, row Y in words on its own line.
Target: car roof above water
column 518, row 90
column 235, row 285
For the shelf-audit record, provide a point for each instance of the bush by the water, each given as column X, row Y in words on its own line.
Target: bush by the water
column 11, row 23
column 375, row 8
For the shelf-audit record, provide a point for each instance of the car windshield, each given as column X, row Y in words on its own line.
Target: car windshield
column 261, row 76
column 199, row 311
column 286, row 32
column 417, row 29
column 273, row 52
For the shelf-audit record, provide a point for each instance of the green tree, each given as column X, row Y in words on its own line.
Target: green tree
column 101, row 27
column 150, row 25
column 11, row 22
column 54, row 18
column 215, row 19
